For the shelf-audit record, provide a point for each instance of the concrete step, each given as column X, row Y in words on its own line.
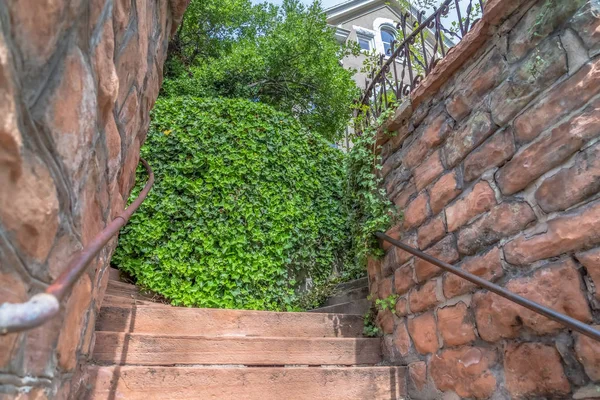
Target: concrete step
column 161, row 349
column 348, row 296
column 355, row 284
column 217, row 322
column 356, row 307
column 201, row 383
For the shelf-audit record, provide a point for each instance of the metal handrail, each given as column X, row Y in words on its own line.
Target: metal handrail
column 44, row 306
column 569, row 322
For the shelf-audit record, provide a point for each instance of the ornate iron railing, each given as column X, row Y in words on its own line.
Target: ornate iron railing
column 563, row 319
column 396, row 76
column 44, row 306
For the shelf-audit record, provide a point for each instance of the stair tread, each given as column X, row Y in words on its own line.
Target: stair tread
column 355, row 307
column 357, row 283
column 348, row 296
column 154, row 349
column 202, row 383
column 220, row 322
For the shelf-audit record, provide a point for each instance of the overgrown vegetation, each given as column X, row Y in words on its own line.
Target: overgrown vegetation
column 247, row 203
column 284, row 56
column 253, row 204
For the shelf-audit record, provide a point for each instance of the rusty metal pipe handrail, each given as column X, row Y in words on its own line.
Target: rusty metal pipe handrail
column 44, row 306
column 563, row 319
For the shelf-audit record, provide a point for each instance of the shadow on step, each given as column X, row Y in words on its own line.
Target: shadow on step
column 128, row 327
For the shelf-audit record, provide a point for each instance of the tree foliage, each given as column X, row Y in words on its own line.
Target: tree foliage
column 284, row 56
column 247, row 203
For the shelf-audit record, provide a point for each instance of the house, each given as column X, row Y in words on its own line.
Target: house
column 372, row 24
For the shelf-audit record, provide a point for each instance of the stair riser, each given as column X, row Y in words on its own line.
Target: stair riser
column 137, row 349
column 215, row 322
column 351, row 295
column 356, row 307
column 141, row 383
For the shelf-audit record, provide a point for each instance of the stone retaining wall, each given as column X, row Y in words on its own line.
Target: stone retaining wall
column 77, row 80
column 496, row 164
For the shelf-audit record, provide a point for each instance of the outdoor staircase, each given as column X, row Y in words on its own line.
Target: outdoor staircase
column 350, row 298
column 147, row 350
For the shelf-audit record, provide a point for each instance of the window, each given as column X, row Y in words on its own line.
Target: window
column 388, row 35
column 365, row 44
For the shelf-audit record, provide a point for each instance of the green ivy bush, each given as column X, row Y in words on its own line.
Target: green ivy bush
column 246, row 204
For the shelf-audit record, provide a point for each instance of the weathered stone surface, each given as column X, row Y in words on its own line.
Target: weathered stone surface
column 465, row 370
column 431, row 232
column 402, row 340
column 397, row 256
column 534, row 369
column 569, row 232
column 503, row 220
column 403, row 279
column 444, row 250
column 587, row 392
column 487, row 266
column 588, row 354
column 417, row 373
column 444, row 191
column 417, row 211
column 591, row 261
column 479, row 200
column 374, row 269
column 550, row 150
column 106, row 74
column 71, row 115
column 537, row 23
column 557, row 286
column 401, row 307
column 395, row 232
column 423, row 331
column 70, row 334
column 488, row 73
column 420, row 299
column 460, row 143
column 455, row 325
column 567, row 96
column 12, row 290
column 428, row 137
column 63, row 251
column 428, row 171
column 537, row 72
column 29, row 209
column 577, row 55
column 385, row 289
column 455, row 58
column 385, row 321
column 397, row 180
column 391, row 163
column 402, row 198
column 587, row 24
column 492, row 153
column 571, row 185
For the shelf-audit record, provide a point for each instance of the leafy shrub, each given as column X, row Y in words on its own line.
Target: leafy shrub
column 246, row 204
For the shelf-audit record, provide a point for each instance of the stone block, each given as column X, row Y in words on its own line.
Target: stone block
column 403, row 279
column 431, row 232
column 567, row 96
column 385, row 321
column 588, row 354
column 423, row 331
column 534, row 369
column 587, row 24
column 571, row 185
column 422, row 298
column 402, row 340
column 417, row 211
column 557, row 286
column 487, row 266
column 460, row 143
column 465, row 370
column 401, row 307
column 492, row 153
column 403, row 196
column 455, row 325
column 386, row 288
column 444, row 250
column 417, row 374
column 540, row 69
column 503, row 220
column 479, row 200
column 445, row 190
column 374, row 269
column 591, row 261
column 572, row 231
column 428, row 171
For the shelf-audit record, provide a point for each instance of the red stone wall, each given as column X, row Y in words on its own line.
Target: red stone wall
column 497, row 170
column 77, row 80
